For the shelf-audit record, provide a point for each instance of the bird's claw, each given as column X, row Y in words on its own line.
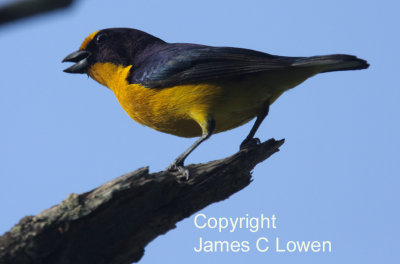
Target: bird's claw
column 178, row 166
column 249, row 143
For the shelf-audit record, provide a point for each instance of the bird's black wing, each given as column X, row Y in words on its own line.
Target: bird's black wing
column 177, row 64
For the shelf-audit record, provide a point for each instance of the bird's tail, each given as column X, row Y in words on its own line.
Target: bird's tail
column 329, row 63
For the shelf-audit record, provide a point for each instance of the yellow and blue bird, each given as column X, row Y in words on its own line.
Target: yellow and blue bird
column 192, row 90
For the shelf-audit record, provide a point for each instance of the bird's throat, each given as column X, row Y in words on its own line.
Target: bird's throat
column 110, row 75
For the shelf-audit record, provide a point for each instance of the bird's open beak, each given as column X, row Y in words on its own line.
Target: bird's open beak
column 80, row 58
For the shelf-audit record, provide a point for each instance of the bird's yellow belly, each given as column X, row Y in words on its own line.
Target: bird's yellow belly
column 183, row 110
column 180, row 110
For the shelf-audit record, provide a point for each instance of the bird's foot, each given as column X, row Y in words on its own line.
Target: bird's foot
column 249, row 143
column 178, row 166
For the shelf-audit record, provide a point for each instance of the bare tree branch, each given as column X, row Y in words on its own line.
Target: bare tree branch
column 114, row 222
column 27, row 8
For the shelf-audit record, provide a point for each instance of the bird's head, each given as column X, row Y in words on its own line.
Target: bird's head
column 116, row 46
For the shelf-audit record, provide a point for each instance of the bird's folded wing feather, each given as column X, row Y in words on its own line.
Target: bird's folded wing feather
column 178, row 64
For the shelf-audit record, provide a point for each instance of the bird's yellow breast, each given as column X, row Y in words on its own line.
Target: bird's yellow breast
column 183, row 110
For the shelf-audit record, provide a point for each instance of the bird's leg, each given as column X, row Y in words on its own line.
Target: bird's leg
column 178, row 162
column 250, row 140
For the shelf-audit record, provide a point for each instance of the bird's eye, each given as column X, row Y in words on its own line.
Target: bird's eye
column 100, row 38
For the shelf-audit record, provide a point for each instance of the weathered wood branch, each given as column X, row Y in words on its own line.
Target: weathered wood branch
column 114, row 222
column 26, row 8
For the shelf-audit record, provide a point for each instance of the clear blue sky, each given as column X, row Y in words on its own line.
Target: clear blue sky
column 336, row 177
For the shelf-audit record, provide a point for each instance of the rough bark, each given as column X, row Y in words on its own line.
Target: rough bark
column 114, row 222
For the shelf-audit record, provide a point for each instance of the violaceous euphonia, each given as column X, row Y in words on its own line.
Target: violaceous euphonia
column 192, row 90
